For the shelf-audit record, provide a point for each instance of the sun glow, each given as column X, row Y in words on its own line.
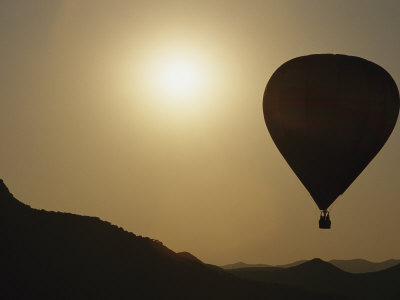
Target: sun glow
column 178, row 81
column 180, row 78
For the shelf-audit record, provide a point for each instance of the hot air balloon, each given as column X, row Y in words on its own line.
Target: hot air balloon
column 329, row 115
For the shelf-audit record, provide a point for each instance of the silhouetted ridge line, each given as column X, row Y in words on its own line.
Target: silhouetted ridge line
column 7, row 200
column 293, row 264
column 54, row 255
column 189, row 257
column 240, row 265
column 317, row 264
column 320, row 276
column 363, row 266
column 351, row 265
column 3, row 188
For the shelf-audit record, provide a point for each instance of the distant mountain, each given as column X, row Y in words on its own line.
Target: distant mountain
column 313, row 274
column 363, row 266
column 53, row 255
column 293, row 264
column 240, row 265
column 319, row 276
column 351, row 265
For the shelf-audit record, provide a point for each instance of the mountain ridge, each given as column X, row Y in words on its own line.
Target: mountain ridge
column 357, row 265
column 320, row 276
column 54, row 255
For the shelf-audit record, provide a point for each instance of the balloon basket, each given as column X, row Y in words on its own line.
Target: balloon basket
column 324, row 220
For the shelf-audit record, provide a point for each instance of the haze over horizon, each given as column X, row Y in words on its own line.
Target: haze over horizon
column 89, row 124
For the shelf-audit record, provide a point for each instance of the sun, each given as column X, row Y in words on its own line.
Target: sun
column 175, row 82
column 180, row 78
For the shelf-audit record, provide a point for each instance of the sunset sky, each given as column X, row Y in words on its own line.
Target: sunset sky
column 148, row 114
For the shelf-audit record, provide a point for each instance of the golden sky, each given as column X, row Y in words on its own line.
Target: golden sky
column 90, row 122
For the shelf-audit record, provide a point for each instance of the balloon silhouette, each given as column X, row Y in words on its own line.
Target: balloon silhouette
column 329, row 115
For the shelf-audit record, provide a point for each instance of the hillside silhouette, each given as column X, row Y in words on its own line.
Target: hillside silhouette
column 363, row 266
column 349, row 265
column 53, row 255
column 241, row 265
column 320, row 276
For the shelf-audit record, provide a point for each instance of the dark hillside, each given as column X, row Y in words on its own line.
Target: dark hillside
column 319, row 276
column 363, row 266
column 314, row 275
column 241, row 265
column 52, row 255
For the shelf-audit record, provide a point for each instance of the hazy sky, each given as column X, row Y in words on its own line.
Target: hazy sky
column 89, row 123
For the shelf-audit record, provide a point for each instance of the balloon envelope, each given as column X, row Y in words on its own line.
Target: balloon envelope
column 329, row 115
